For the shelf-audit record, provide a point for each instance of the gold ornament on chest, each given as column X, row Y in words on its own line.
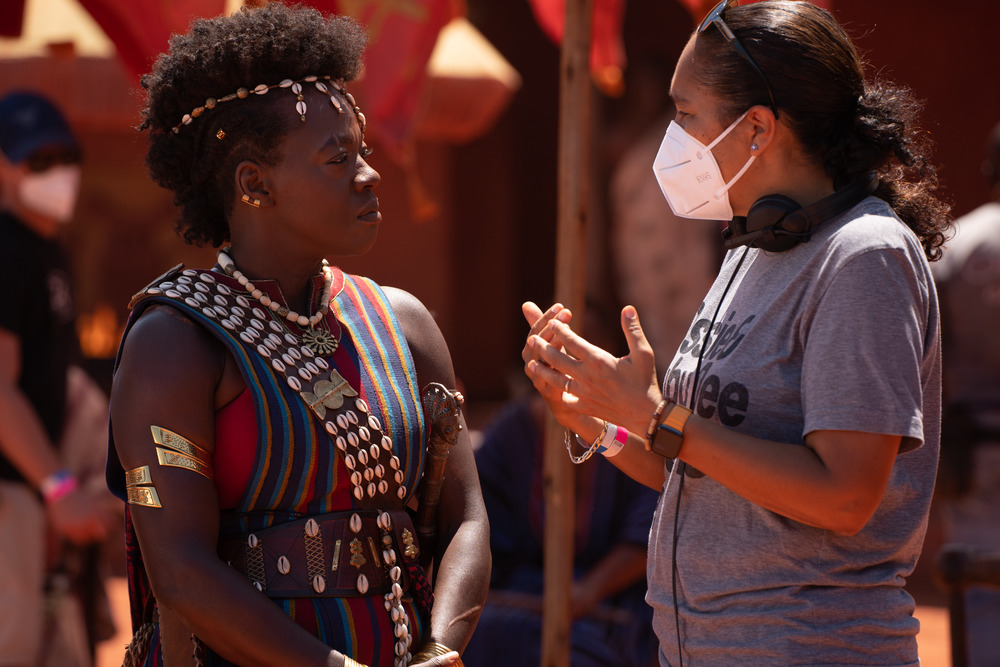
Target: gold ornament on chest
column 328, row 394
column 375, row 471
column 319, row 340
column 322, row 343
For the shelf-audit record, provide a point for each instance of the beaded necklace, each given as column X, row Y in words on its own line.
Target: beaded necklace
column 322, row 343
column 359, row 438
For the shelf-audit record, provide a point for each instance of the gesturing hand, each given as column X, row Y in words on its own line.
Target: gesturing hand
column 552, row 395
column 538, row 320
column 582, row 378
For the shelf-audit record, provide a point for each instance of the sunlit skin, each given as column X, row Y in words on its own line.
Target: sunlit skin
column 837, row 480
column 318, row 201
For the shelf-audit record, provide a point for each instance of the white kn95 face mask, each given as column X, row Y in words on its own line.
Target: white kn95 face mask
column 52, row 192
column 689, row 176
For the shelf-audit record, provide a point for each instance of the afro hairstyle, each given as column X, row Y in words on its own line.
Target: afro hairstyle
column 215, row 58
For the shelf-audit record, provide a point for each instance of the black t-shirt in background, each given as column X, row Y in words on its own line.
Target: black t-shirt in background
column 39, row 310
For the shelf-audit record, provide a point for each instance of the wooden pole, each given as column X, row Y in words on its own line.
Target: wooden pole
column 573, row 165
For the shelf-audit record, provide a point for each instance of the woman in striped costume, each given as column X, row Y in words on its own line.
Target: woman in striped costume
column 268, row 427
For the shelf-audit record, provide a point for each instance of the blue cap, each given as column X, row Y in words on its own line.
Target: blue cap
column 29, row 122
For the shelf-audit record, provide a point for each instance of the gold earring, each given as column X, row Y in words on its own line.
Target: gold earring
column 255, row 203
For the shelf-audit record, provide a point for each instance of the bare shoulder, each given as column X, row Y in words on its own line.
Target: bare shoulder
column 168, row 375
column 10, row 356
column 423, row 336
column 408, row 308
column 164, row 339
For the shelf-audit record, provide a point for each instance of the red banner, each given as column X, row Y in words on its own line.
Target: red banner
column 11, row 18
column 607, row 51
column 699, row 8
column 140, row 29
column 402, row 35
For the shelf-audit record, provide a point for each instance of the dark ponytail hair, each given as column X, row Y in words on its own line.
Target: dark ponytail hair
column 847, row 124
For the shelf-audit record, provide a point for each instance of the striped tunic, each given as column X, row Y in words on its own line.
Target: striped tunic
column 297, row 471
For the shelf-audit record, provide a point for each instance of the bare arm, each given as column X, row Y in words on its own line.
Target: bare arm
column 26, row 445
column 835, row 481
column 463, row 560
column 169, row 376
column 22, row 437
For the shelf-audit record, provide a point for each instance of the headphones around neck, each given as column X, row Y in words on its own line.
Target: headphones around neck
column 776, row 223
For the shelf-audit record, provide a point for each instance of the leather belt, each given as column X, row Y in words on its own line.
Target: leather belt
column 341, row 554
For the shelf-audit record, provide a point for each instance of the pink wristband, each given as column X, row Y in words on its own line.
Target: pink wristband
column 616, row 445
column 57, row 485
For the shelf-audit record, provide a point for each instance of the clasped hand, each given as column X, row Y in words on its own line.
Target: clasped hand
column 581, row 382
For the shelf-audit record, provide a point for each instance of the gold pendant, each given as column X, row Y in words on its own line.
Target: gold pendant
column 328, row 394
column 321, row 343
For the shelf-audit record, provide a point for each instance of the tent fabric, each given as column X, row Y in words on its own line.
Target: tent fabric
column 402, row 35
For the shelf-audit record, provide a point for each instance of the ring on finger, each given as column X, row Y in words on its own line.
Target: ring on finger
column 566, row 386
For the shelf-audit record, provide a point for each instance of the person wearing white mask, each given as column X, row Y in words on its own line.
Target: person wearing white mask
column 794, row 438
column 39, row 182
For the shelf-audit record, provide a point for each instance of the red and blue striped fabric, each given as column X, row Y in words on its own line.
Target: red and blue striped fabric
column 297, row 471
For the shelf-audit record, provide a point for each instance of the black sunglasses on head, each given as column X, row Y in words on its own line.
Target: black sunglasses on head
column 715, row 18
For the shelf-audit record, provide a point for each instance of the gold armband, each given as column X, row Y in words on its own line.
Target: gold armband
column 179, row 452
column 139, row 487
column 176, row 452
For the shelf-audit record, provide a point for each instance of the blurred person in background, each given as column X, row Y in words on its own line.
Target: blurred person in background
column 968, row 494
column 39, row 183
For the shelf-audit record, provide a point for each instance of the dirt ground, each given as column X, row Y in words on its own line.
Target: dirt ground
column 933, row 637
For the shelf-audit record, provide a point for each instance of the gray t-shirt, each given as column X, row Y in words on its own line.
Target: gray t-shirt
column 840, row 332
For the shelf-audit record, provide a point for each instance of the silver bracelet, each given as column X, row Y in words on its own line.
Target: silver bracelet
column 568, row 439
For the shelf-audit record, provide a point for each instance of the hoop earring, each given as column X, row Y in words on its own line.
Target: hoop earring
column 255, row 203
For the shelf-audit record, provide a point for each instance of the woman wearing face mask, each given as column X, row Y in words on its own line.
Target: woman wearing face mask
column 39, row 181
column 794, row 438
column 39, row 163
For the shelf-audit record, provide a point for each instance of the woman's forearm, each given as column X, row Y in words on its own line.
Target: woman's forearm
column 461, row 583
column 239, row 623
column 835, row 481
